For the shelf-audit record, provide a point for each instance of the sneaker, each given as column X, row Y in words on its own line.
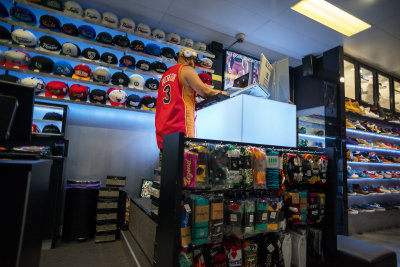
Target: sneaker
column 377, row 190
column 351, row 211
column 383, row 189
column 357, row 189
column 356, row 108
column 350, row 192
column 370, row 190
column 371, row 174
column 364, row 174
column 382, row 145
column 349, row 125
column 390, row 146
column 378, row 175
column 369, row 113
column 318, row 133
column 371, row 142
column 303, row 142
column 350, row 156
column 392, row 190
column 351, row 174
column 358, row 208
column 351, row 141
column 362, row 159
column 377, row 207
column 302, row 130
column 363, row 142
column 358, row 126
column 373, row 157
column 349, row 106
column 367, row 208
column 387, row 175
column 384, row 160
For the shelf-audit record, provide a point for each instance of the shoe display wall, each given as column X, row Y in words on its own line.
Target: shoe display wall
column 311, row 131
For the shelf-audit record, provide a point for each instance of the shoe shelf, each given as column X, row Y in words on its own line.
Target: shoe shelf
column 381, row 121
column 372, row 135
column 373, row 149
column 373, row 180
column 310, row 136
column 81, row 40
column 373, row 164
column 374, row 195
column 104, row 26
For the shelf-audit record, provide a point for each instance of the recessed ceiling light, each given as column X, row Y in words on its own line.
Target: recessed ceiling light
column 331, row 16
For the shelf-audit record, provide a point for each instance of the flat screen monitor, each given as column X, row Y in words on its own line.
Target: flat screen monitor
column 21, row 127
column 237, row 65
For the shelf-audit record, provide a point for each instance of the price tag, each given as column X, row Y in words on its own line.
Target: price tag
column 187, row 208
column 272, row 215
column 308, row 173
column 264, row 216
column 233, row 218
column 270, row 248
column 251, row 218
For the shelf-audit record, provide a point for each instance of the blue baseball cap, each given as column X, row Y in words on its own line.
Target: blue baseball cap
column 3, row 11
column 23, row 14
column 87, row 32
column 63, row 68
column 153, row 49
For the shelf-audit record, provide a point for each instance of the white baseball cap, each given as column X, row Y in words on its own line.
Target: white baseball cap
column 127, row 24
column 101, row 74
column 143, row 29
column 187, row 42
column 158, row 34
column 206, row 63
column 110, row 19
column 91, row 14
column 173, row 38
column 24, row 37
column 73, row 8
column 200, row 46
column 136, row 81
column 34, row 82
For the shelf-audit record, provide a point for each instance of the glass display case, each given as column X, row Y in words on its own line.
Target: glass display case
column 384, row 91
column 349, row 80
column 49, row 119
column 311, row 131
column 397, row 97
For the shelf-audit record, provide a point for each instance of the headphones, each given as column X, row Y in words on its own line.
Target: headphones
column 186, row 52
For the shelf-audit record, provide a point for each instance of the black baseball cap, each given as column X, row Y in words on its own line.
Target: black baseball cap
column 109, row 58
column 50, row 22
column 152, row 84
column 133, row 101
column 158, row 67
column 149, row 102
column 70, row 29
column 9, row 78
column 41, row 64
column 54, row 116
column 105, row 38
column 143, row 65
column 91, row 54
column 49, row 43
column 127, row 61
column 137, row 45
column 98, row 96
column 168, row 53
column 120, row 78
column 51, row 128
column 121, row 40
column 4, row 34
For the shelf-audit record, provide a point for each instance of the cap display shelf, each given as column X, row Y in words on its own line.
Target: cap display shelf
column 389, row 138
column 61, row 13
column 79, row 81
column 47, row 134
column 81, row 40
column 81, row 60
column 52, row 121
column 356, row 116
column 373, row 149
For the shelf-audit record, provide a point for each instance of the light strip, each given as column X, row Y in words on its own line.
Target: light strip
column 374, row 164
column 377, row 194
column 380, row 136
column 376, row 149
column 372, row 179
column 312, row 137
column 331, row 16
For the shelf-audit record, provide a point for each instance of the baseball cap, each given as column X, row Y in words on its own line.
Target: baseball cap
column 152, row 84
column 120, row 78
column 127, row 24
column 9, row 78
column 205, row 78
column 117, row 97
column 41, row 64
column 167, row 53
column 51, row 128
column 200, row 46
column 5, row 34
column 101, row 74
column 70, row 49
column 82, row 71
column 91, row 14
column 3, row 11
column 63, row 68
column 49, row 44
column 34, row 82
column 98, row 96
column 127, row 61
column 153, row 49
column 109, row 58
column 50, row 22
column 206, row 63
column 54, row 4
column 158, row 67
column 70, row 29
column 56, row 89
column 105, row 38
column 78, row 92
column 158, row 34
column 23, row 14
column 110, row 20
column 133, row 101
column 87, row 32
column 121, row 40
column 187, row 42
column 54, row 116
column 73, row 8
column 143, row 65
column 136, row 81
column 143, row 30
column 90, row 54
column 137, row 45
column 17, row 59
column 173, row 38
column 149, row 103
column 24, row 37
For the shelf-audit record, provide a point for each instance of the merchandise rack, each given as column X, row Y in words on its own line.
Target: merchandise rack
column 167, row 244
column 373, row 149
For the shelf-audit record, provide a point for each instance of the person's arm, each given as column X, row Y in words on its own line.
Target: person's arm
column 191, row 78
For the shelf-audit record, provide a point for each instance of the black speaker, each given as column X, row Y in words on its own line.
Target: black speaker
column 309, row 67
column 215, row 47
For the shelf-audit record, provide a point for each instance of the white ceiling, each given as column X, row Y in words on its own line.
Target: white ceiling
column 271, row 26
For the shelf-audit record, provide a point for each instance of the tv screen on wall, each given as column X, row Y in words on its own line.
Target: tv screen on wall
column 237, row 65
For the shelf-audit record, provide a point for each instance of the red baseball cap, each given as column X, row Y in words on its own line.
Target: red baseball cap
column 78, row 92
column 82, row 71
column 56, row 89
column 35, row 129
column 117, row 97
column 17, row 59
column 206, row 78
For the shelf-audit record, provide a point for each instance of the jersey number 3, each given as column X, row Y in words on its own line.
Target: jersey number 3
column 167, row 90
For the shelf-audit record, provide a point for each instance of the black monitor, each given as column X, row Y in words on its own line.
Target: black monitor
column 21, row 124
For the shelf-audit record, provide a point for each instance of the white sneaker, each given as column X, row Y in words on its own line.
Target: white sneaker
column 384, row 190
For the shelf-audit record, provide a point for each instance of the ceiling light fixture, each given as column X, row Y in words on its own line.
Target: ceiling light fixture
column 331, row 16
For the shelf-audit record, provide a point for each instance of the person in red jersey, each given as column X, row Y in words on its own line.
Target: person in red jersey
column 177, row 90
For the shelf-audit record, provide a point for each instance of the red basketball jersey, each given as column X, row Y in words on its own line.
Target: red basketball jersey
column 175, row 106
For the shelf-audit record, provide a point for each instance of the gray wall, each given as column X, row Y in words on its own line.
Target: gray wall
column 110, row 142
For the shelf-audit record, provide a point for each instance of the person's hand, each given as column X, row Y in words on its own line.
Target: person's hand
column 222, row 93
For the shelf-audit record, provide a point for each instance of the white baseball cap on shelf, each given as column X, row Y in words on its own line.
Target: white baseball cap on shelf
column 200, row 46
column 143, row 29
column 158, row 34
column 206, row 63
column 91, row 14
column 24, row 37
column 34, row 82
column 136, row 81
column 173, row 38
column 73, row 8
column 110, row 20
column 187, row 42
column 127, row 24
